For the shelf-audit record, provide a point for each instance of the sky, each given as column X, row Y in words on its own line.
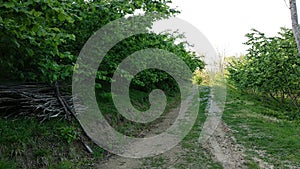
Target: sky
column 225, row 22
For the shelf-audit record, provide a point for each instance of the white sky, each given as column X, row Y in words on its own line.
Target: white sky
column 225, row 22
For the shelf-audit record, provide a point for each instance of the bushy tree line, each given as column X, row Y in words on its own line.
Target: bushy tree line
column 150, row 78
column 41, row 39
column 271, row 67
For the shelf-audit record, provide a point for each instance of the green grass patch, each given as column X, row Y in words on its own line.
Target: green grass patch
column 140, row 100
column 27, row 143
column 274, row 140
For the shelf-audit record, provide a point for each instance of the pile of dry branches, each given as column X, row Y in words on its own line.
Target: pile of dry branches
column 34, row 99
column 38, row 100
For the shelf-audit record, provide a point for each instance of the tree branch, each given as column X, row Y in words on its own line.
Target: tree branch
column 295, row 24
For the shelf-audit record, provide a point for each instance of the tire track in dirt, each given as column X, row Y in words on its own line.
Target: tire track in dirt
column 224, row 149
column 218, row 142
column 218, row 139
column 215, row 138
column 171, row 157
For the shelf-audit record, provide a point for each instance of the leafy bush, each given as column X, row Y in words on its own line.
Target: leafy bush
column 201, row 77
column 31, row 33
column 149, row 78
column 40, row 40
column 270, row 68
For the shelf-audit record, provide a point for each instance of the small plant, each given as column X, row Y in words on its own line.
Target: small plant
column 201, row 77
column 68, row 133
column 64, row 164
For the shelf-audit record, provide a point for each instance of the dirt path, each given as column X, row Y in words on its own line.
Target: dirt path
column 216, row 138
column 224, row 149
column 170, row 157
column 220, row 145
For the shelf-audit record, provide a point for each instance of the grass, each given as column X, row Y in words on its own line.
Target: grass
column 272, row 139
column 27, row 143
column 139, row 100
column 260, row 127
column 196, row 156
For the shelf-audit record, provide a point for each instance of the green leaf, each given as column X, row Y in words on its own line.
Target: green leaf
column 61, row 17
column 8, row 4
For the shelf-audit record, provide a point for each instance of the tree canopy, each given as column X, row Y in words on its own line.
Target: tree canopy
column 41, row 39
column 271, row 66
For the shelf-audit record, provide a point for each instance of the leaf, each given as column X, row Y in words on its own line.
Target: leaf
column 16, row 43
column 61, row 17
column 8, row 4
column 56, row 29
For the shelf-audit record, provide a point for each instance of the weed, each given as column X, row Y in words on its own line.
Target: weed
column 7, row 164
column 68, row 133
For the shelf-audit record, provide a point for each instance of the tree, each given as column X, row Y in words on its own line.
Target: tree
column 295, row 24
column 271, row 67
column 40, row 40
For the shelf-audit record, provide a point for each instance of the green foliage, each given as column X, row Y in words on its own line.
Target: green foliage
column 65, row 165
column 31, row 33
column 197, row 79
column 6, row 164
column 140, row 100
column 201, row 77
column 270, row 68
column 40, row 40
column 28, row 143
column 149, row 78
column 68, row 133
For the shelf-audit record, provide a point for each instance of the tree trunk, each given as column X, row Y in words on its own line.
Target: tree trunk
column 295, row 25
